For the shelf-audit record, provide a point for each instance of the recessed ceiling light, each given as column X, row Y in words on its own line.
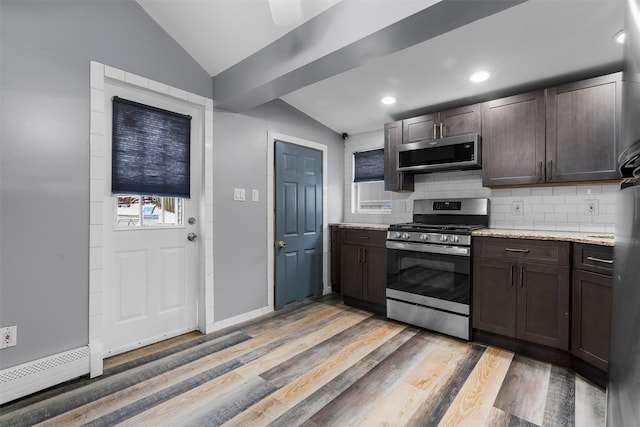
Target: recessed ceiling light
column 620, row 36
column 480, row 76
column 388, row 100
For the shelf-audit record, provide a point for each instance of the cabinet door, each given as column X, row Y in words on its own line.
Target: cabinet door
column 583, row 125
column 513, row 140
column 543, row 305
column 422, row 128
column 351, row 271
column 459, row 121
column 591, row 317
column 374, row 283
column 394, row 180
column 494, row 296
column 335, row 258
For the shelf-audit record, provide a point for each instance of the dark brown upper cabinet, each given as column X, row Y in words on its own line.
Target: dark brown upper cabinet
column 567, row 133
column 394, row 180
column 513, row 140
column 583, row 125
column 457, row 121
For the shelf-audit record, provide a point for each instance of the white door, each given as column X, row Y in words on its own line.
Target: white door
column 151, row 272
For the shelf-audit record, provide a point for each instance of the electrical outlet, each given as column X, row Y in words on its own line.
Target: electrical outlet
column 517, row 208
column 591, row 207
column 9, row 336
column 239, row 194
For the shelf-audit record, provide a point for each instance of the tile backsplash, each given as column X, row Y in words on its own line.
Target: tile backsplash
column 585, row 207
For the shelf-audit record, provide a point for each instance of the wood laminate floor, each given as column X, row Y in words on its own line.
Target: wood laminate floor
column 320, row 363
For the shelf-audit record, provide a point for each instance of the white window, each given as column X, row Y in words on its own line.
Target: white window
column 368, row 183
column 370, row 197
column 148, row 211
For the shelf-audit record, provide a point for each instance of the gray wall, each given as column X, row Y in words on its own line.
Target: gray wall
column 240, row 228
column 44, row 159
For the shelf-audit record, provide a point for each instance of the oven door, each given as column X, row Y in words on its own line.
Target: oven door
column 435, row 276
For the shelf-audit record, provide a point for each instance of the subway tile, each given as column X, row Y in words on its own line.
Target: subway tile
column 97, row 146
column 543, row 191
column 552, row 200
column 564, row 191
column 496, row 208
column 95, row 280
column 588, row 189
column 576, row 200
column 113, row 73
column 95, row 236
column 501, row 192
column 610, row 189
column 135, row 79
column 178, row 93
column 196, row 99
column 551, row 226
column 158, row 87
column 521, row 192
column 96, row 190
column 97, row 168
column 97, row 123
column 96, row 71
column 95, row 213
column 95, row 258
column 97, row 100
column 568, row 209
column 534, row 216
column 569, row 226
column 503, row 224
column 546, row 208
column 604, row 218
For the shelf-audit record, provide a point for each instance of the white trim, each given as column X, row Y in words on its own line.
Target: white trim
column 21, row 380
column 271, row 225
column 241, row 318
column 99, row 163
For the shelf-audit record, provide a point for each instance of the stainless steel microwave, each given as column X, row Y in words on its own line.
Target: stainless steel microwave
column 450, row 153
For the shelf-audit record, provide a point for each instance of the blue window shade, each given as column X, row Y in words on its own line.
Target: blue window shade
column 369, row 166
column 151, row 150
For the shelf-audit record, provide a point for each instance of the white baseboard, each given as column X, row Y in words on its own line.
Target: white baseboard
column 22, row 380
column 216, row 326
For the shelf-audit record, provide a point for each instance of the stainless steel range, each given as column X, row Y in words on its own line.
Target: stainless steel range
column 429, row 265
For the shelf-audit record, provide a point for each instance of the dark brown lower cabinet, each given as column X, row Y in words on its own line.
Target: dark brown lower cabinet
column 517, row 298
column 335, row 257
column 591, row 305
column 363, row 269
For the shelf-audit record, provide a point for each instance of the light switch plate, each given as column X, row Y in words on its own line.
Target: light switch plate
column 239, row 194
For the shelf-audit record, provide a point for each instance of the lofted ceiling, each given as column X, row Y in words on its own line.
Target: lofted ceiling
column 345, row 55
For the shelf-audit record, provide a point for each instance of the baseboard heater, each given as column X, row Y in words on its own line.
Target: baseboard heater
column 22, row 380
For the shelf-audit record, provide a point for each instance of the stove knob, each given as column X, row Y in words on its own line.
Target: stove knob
column 424, row 236
column 444, row 238
column 405, row 235
column 398, row 235
column 455, row 239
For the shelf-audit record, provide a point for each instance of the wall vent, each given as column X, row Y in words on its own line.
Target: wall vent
column 30, row 377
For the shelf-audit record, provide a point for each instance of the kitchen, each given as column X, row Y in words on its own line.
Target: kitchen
column 226, row 297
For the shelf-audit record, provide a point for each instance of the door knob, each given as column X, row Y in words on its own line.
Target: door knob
column 191, row 237
column 281, row 244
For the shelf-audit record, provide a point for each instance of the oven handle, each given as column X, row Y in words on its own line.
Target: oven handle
column 427, row 248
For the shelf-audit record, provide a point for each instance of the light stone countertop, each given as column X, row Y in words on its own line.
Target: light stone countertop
column 596, row 238
column 361, row 226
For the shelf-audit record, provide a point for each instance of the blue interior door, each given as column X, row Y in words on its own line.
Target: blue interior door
column 298, row 246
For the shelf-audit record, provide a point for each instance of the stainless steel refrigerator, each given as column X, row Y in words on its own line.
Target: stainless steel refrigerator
column 623, row 392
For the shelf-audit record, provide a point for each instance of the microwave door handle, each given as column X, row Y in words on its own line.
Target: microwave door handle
column 441, row 130
column 435, row 131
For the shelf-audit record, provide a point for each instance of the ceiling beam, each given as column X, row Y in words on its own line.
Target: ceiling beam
column 277, row 69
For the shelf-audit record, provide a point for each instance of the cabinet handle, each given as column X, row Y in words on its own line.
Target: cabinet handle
column 511, row 277
column 516, row 250
column 541, row 178
column 364, row 256
column 550, row 171
column 435, row 131
column 522, row 276
column 359, row 256
column 441, row 130
column 604, row 261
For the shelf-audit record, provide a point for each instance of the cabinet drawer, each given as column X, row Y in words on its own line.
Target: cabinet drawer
column 534, row 251
column 364, row 237
column 594, row 258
